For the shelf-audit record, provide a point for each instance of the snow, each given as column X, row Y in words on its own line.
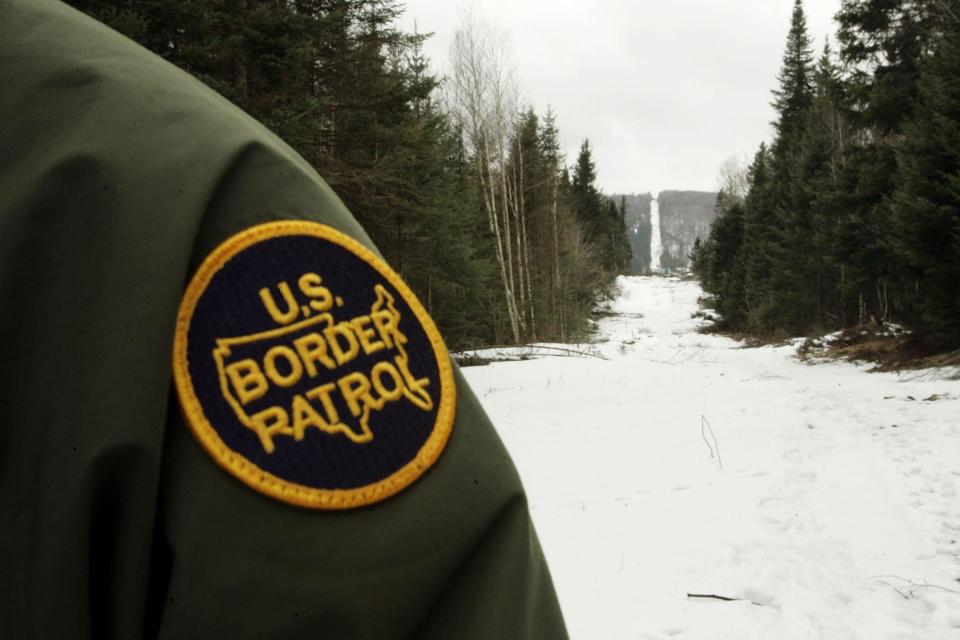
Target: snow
column 656, row 239
column 833, row 505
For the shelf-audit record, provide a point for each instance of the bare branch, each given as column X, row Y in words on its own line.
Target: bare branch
column 712, row 596
column 704, row 429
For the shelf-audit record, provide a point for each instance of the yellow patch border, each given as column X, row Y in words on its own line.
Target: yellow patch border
column 241, row 467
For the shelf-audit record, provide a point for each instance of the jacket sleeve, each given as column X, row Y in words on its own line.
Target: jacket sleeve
column 119, row 174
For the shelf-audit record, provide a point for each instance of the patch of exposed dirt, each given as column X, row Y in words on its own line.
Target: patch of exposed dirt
column 888, row 347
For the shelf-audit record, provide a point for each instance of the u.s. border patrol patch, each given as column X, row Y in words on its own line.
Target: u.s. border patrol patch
column 308, row 369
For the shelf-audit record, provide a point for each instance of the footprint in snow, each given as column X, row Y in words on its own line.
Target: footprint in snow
column 795, row 455
column 801, row 477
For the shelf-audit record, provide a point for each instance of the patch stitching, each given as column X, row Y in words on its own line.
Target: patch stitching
column 239, row 466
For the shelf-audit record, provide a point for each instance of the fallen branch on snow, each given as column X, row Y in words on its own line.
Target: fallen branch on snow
column 521, row 351
column 712, row 596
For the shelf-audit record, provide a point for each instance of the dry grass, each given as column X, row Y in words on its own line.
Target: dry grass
column 889, row 348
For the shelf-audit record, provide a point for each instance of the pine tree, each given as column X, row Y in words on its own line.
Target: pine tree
column 552, row 162
column 720, row 261
column 854, row 212
column 882, row 45
column 624, row 253
column 483, row 222
column 804, row 275
column 783, row 287
column 598, row 215
column 793, row 96
column 822, row 172
column 760, row 234
column 429, row 234
column 926, row 202
column 583, row 185
column 587, row 200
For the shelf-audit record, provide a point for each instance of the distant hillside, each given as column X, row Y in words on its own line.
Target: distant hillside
column 638, row 229
column 684, row 217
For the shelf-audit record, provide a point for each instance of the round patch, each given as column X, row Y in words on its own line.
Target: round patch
column 308, row 369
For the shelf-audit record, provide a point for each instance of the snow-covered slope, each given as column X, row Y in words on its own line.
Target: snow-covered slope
column 833, row 503
column 656, row 236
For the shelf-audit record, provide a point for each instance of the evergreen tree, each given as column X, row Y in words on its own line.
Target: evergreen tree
column 853, row 213
column 698, row 258
column 926, row 202
column 793, row 96
column 490, row 232
column 782, row 287
column 801, row 275
column 589, row 204
column 615, row 246
column 822, row 175
column 621, row 239
column 429, row 233
column 719, row 262
column 599, row 216
column 760, row 231
column 882, row 45
column 552, row 164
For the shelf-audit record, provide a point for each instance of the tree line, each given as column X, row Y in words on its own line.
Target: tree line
column 465, row 191
column 851, row 214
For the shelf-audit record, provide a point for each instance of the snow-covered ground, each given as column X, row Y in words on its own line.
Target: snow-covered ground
column 833, row 504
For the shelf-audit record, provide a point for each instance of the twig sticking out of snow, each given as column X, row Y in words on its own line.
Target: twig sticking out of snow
column 712, row 596
column 704, row 428
column 918, row 585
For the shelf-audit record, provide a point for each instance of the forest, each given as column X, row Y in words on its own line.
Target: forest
column 463, row 188
column 851, row 215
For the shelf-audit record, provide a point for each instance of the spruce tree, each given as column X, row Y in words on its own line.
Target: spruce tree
column 588, row 203
column 351, row 92
column 583, row 183
column 760, row 234
column 926, row 202
column 822, row 175
column 793, row 95
column 599, row 216
column 785, row 244
column 720, row 261
column 622, row 238
column 551, row 159
column 882, row 45
column 802, row 276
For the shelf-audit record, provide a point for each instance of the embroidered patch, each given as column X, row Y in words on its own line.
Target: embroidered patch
column 308, row 369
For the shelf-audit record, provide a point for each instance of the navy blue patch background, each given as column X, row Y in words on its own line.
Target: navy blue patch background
column 231, row 307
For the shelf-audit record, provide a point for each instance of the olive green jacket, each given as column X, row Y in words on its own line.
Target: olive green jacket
column 118, row 174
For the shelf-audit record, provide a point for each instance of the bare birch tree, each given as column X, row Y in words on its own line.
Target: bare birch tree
column 733, row 177
column 483, row 99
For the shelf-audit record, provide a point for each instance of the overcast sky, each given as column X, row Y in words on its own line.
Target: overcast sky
column 664, row 90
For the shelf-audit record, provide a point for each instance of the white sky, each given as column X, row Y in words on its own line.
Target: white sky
column 664, row 90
